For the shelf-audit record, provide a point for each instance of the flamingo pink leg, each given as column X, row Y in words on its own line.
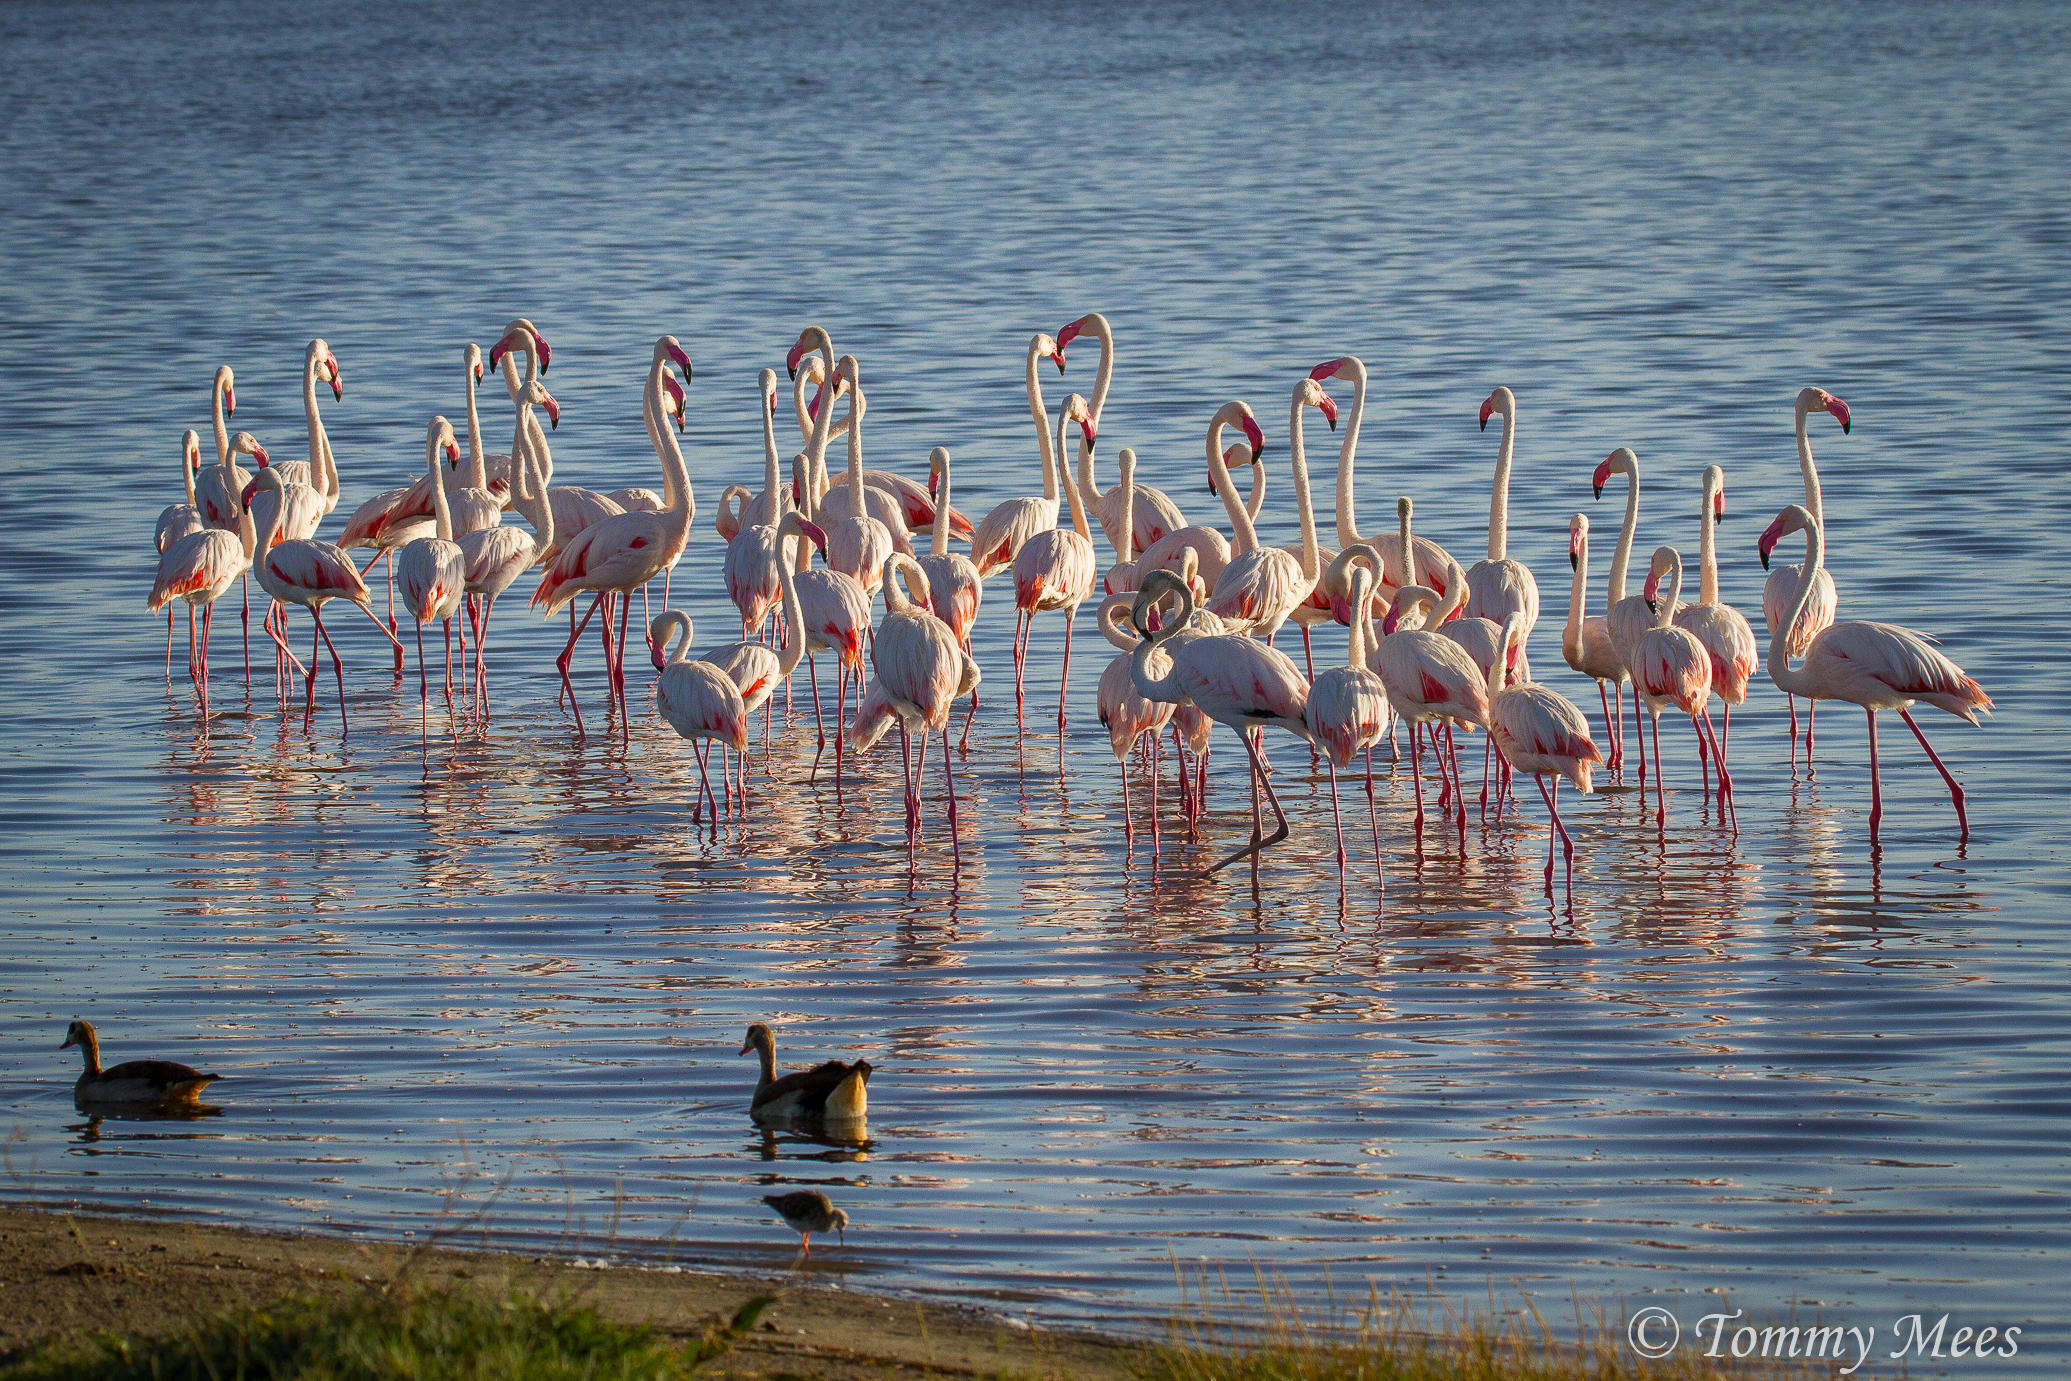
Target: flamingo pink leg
column 1876, row 782
column 1955, row 791
column 562, row 662
column 337, row 665
column 956, row 846
column 1660, row 791
column 1258, row 775
column 1064, row 678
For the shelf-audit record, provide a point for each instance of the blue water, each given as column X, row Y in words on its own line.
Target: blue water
column 508, row 972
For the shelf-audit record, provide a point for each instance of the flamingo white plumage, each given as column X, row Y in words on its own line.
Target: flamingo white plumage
column 1054, row 570
column 1499, row 585
column 1348, row 713
column 1669, row 667
column 1543, row 734
column 1778, row 589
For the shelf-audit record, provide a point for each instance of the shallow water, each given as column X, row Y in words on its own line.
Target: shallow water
column 509, row 972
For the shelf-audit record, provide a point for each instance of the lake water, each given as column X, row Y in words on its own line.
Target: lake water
column 510, row 970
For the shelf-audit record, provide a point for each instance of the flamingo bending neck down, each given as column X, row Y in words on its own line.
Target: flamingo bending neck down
column 1878, row 666
column 1053, row 569
column 1781, row 585
column 1543, row 734
column 1727, row 640
column 1233, row 680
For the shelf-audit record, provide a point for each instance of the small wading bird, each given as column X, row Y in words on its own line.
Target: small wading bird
column 807, row 1211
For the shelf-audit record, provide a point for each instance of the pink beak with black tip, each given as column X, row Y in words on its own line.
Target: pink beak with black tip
column 1602, row 477
column 1840, row 411
column 1327, row 370
column 1329, row 410
column 1488, row 410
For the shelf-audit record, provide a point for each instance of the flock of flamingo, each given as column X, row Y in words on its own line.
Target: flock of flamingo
column 1192, row 610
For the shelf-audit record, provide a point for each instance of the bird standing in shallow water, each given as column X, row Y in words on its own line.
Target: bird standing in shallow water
column 807, row 1211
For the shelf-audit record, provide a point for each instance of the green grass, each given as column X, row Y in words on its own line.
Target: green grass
column 419, row 1336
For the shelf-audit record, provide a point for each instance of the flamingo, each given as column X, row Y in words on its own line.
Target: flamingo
column 760, row 510
column 1483, row 640
column 754, row 567
column 1348, row 713
column 1541, row 733
column 863, row 525
column 1124, row 711
column 1205, row 546
column 1669, row 667
column 197, row 569
column 1782, row 582
column 176, row 521
column 1054, row 570
column 955, row 589
column 916, row 505
column 1878, row 666
column 1585, row 641
column 1719, row 627
column 495, row 557
column 1432, row 560
column 619, row 553
column 309, row 573
column 920, row 674
column 1498, row 585
column 1626, row 617
column 1000, row 533
column 219, row 490
column 1263, row 586
column 432, row 570
column 836, row 611
column 1233, row 680
column 1431, row 681
column 699, row 701
column 756, row 670
column 1153, row 513
column 320, row 471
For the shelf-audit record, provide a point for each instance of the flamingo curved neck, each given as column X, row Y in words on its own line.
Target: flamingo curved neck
column 1621, row 555
column 1297, row 459
column 1362, row 610
column 478, row 465
column 1499, row 494
column 1708, row 550
column 1809, row 471
column 676, row 624
column 1347, row 528
column 1089, row 487
column 1162, row 688
column 1665, row 608
column 1071, row 492
column 1042, row 424
column 675, row 475
column 1793, row 680
column 528, row 485
column 1578, row 599
column 1246, row 536
column 322, row 477
column 794, row 617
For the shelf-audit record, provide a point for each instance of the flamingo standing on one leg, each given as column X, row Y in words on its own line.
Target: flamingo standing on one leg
column 1878, row 666
column 1348, row 713
column 1782, row 582
column 1718, row 626
column 1541, row 733
column 1669, row 667
column 432, row 571
column 1054, row 570
column 622, row 552
column 699, row 700
column 1585, row 641
column 955, row 588
column 1234, row 680
column 309, row 573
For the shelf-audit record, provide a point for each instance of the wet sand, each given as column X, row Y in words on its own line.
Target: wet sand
column 68, row 1274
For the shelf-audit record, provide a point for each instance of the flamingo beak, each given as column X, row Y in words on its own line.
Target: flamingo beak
column 791, row 359
column 1600, row 478
column 1718, row 506
column 230, row 401
column 772, row 402
column 1255, row 437
column 337, row 379
column 479, row 371
column 1840, row 411
column 553, row 408
column 1330, row 411
column 1088, row 430
column 1327, row 370
column 453, row 452
column 818, row 536
column 1058, row 355
column 1069, row 334
column 250, row 491
column 676, row 353
column 1488, row 409
column 1652, row 587
column 1767, row 543
column 546, row 356
column 1388, row 623
column 259, row 455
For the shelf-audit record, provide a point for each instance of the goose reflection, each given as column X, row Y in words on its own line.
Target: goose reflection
column 89, row 1132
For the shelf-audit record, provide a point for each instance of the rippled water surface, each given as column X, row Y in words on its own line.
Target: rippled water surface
column 1769, row 1065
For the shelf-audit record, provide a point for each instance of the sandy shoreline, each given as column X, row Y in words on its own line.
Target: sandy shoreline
column 66, row 1274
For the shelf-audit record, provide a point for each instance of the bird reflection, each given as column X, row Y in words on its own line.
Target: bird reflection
column 845, row 1141
column 89, row 1131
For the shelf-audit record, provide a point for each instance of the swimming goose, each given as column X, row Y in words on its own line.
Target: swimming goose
column 133, row 1081
column 832, row 1092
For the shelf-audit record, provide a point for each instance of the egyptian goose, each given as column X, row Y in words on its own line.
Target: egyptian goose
column 132, row 1082
column 830, row 1092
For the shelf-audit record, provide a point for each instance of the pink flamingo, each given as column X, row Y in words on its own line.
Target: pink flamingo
column 757, row 510
column 176, row 521
column 862, row 530
column 920, row 674
column 699, row 701
column 1233, row 680
column 915, row 504
column 1205, row 546
column 1263, row 586
column 219, row 490
column 1878, row 666
column 432, row 570
column 1125, row 712
column 756, row 670
column 1542, row 734
column 1585, row 641
column 1431, row 681
column 1152, row 513
column 1499, row 585
column 197, row 569
column 620, row 553
column 309, row 573
column 1000, row 533
column 1719, row 627
column 837, row 616
column 1431, row 561
column 1348, row 713
column 495, row 557
column 1669, row 667
column 1054, row 570
column 1782, row 582
column 320, row 471
column 955, row 588
column 1626, row 617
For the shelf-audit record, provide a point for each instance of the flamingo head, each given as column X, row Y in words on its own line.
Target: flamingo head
column 1070, row 333
column 1795, row 518
column 1048, row 346
column 229, row 400
column 814, row 533
column 1598, row 480
column 190, row 451
column 1500, row 400
column 1252, row 434
column 265, row 479
column 472, row 358
column 938, row 463
column 806, row 340
column 1665, row 560
column 766, row 384
column 1578, row 540
column 245, row 444
column 1619, row 462
column 1329, row 369
column 1234, row 457
column 1817, row 400
column 1076, row 410
column 1714, row 485
column 672, row 399
column 672, row 350
column 1309, row 393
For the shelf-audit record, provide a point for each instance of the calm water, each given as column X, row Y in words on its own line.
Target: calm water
column 512, row 971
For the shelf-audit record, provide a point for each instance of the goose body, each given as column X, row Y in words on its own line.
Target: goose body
column 133, row 1083
column 829, row 1092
